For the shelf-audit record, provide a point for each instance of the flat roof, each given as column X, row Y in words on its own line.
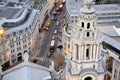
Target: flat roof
column 107, row 8
column 25, row 25
column 74, row 7
column 112, row 41
column 117, row 38
column 109, row 30
column 11, row 13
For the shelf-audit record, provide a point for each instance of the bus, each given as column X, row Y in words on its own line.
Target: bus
column 52, row 45
column 60, row 8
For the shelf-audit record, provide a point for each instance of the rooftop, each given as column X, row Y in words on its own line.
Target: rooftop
column 23, row 19
column 74, row 7
column 107, row 8
column 110, row 30
column 11, row 13
column 27, row 71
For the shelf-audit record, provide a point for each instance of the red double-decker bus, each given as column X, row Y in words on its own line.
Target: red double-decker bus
column 60, row 8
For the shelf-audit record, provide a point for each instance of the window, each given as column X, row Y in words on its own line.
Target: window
column 87, row 53
column 72, row 21
column 14, row 34
column 82, row 24
column 76, row 21
column 88, row 25
column 72, row 17
column 88, row 78
column 20, row 31
column 93, row 66
column 19, row 43
column 88, row 34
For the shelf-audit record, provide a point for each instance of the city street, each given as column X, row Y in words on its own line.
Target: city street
column 45, row 45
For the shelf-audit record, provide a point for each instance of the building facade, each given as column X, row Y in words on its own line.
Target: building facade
column 22, row 30
column 92, row 50
column 84, row 46
column 104, row 12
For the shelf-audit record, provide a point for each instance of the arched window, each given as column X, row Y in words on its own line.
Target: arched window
column 25, row 51
column 88, row 25
column 88, row 34
column 87, row 53
column 19, row 57
column 88, row 78
column 82, row 24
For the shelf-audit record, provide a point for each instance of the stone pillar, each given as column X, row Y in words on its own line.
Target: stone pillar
column 52, row 66
column 25, row 57
column 97, row 49
column 85, row 52
column 91, row 52
column 74, row 52
column 79, row 53
column 82, row 53
column 94, row 49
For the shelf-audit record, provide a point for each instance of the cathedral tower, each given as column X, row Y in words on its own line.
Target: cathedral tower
column 84, row 62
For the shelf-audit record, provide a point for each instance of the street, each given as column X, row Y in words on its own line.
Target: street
column 45, row 45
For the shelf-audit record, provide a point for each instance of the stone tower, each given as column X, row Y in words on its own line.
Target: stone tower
column 84, row 60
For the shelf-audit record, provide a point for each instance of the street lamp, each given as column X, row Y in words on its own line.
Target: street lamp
column 2, row 32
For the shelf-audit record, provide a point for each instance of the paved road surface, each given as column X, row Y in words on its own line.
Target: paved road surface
column 48, row 34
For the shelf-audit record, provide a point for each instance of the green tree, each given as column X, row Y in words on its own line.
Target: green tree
column 59, row 61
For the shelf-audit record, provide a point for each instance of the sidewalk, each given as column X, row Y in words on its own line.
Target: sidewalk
column 40, row 40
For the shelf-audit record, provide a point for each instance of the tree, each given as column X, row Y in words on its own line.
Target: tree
column 59, row 61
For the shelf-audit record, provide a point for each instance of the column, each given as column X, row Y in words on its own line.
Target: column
column 79, row 49
column 81, row 53
column 91, row 52
column 84, row 52
column 94, row 51
column 74, row 52
column 97, row 51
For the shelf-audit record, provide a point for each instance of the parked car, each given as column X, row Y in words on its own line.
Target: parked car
column 52, row 18
column 53, row 38
column 57, row 23
column 64, row 16
column 55, row 19
column 55, row 31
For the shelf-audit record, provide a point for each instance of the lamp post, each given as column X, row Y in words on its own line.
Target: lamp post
column 2, row 46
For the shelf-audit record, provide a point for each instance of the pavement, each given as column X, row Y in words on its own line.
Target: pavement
column 41, row 38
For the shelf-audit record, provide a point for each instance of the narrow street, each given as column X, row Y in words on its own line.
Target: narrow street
column 45, row 45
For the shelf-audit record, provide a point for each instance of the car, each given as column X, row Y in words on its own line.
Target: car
column 55, row 31
column 52, row 18
column 57, row 23
column 64, row 16
column 53, row 38
column 60, row 30
column 58, row 13
column 49, row 54
column 54, row 12
column 55, row 19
